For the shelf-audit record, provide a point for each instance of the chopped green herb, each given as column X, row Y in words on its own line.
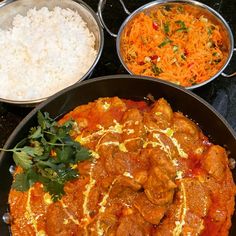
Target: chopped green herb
column 209, row 31
column 183, row 57
column 217, row 61
column 156, row 70
column 214, row 53
column 47, row 156
column 166, row 27
column 193, row 80
column 180, row 9
column 181, row 23
column 165, row 42
column 182, row 26
column 168, row 7
column 194, row 83
column 144, row 70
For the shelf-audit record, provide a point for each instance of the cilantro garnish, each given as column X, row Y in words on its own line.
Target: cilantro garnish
column 165, row 42
column 168, row 7
column 156, row 70
column 182, row 26
column 47, row 156
column 166, row 27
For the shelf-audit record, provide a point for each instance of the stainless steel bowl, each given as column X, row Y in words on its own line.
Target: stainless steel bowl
column 10, row 8
column 195, row 8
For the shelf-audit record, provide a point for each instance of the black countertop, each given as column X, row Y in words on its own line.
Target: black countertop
column 221, row 92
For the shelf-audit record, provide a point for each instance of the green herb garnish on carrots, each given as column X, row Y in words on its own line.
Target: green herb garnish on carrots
column 156, row 70
column 48, row 156
column 182, row 26
column 166, row 27
column 165, row 42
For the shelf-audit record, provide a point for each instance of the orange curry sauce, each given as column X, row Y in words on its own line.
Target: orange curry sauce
column 152, row 172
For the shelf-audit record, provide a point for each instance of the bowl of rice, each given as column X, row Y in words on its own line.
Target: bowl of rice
column 47, row 46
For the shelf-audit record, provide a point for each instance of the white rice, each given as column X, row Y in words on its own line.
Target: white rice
column 44, row 52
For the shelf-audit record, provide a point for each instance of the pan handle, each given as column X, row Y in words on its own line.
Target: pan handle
column 230, row 75
column 101, row 5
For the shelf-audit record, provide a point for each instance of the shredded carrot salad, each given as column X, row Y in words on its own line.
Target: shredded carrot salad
column 172, row 44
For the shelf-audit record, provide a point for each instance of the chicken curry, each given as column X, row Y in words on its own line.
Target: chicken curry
column 152, row 172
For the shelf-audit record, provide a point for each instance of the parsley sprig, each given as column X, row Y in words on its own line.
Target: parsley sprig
column 48, row 156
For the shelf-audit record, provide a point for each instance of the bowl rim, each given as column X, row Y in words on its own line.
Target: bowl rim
column 189, row 2
column 34, row 102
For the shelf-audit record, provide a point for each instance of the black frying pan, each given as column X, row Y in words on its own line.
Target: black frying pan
column 124, row 86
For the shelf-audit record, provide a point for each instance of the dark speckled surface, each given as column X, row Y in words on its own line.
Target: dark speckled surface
column 221, row 93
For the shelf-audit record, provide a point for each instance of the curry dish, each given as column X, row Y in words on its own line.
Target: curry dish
column 152, row 172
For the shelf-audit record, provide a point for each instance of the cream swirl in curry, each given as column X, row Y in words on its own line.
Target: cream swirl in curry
column 152, row 172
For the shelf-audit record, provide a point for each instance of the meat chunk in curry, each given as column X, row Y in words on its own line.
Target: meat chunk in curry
column 152, row 172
